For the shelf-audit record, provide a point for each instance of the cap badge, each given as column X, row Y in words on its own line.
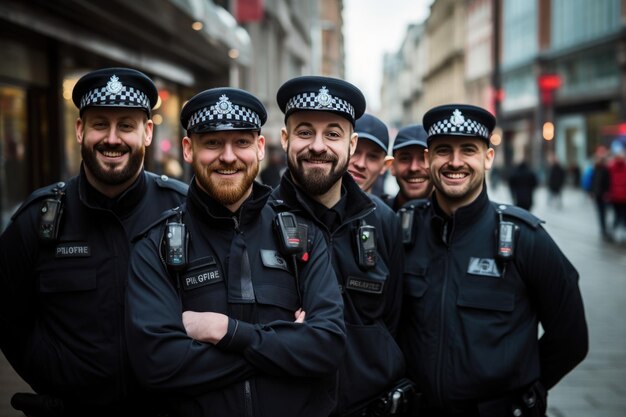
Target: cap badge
column 323, row 98
column 223, row 106
column 457, row 118
column 114, row 85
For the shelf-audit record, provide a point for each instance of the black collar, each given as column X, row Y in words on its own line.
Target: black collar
column 463, row 218
column 120, row 205
column 353, row 203
column 212, row 211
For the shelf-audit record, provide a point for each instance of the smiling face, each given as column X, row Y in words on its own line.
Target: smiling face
column 225, row 163
column 457, row 167
column 318, row 145
column 411, row 171
column 367, row 163
column 113, row 143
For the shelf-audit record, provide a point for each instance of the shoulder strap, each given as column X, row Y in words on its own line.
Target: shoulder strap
column 160, row 219
column 56, row 189
column 164, row 181
column 518, row 213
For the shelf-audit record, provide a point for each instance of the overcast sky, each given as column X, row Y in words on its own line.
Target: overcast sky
column 371, row 28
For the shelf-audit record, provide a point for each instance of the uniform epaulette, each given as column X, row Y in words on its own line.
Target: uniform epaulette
column 279, row 205
column 160, row 219
column 164, row 181
column 418, row 203
column 518, row 213
column 45, row 192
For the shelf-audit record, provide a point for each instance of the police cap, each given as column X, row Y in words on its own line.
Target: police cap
column 115, row 87
column 223, row 108
column 312, row 92
column 411, row 135
column 459, row 120
column 372, row 128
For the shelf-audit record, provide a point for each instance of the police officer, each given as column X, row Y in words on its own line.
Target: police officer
column 409, row 167
column 64, row 257
column 369, row 160
column 484, row 277
column 319, row 139
column 237, row 314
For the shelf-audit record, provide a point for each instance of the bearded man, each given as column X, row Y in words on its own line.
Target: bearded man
column 231, row 301
column 64, row 257
column 362, row 233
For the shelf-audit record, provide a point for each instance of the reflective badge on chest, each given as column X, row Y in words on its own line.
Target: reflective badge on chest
column 73, row 250
column 365, row 285
column 201, row 277
column 486, row 267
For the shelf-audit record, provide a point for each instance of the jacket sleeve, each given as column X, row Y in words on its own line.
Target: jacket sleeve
column 18, row 257
column 554, row 287
column 161, row 353
column 307, row 349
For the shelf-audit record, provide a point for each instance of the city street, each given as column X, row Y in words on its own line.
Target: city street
column 598, row 386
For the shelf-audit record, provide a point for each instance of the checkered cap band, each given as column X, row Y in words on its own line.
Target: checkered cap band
column 468, row 127
column 309, row 101
column 236, row 113
column 127, row 96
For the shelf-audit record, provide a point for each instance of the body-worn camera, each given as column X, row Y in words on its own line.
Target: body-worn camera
column 51, row 210
column 292, row 238
column 506, row 240
column 366, row 246
column 406, row 220
column 176, row 245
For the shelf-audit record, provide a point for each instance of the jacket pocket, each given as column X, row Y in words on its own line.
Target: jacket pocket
column 486, row 299
column 415, row 284
column 67, row 281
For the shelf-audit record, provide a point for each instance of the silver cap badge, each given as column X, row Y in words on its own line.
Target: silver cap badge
column 457, row 118
column 114, row 85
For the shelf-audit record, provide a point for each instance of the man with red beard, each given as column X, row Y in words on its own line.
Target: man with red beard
column 319, row 138
column 64, row 257
column 485, row 275
column 233, row 307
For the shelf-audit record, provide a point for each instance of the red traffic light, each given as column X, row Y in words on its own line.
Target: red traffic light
column 549, row 82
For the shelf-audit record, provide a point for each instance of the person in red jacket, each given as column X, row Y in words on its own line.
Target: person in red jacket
column 617, row 192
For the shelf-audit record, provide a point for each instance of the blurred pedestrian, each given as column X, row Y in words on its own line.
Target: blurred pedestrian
column 246, row 318
column 64, row 257
column 574, row 173
column 362, row 233
column 556, row 181
column 617, row 194
column 369, row 160
column 599, row 189
column 409, row 167
column 522, row 183
column 480, row 278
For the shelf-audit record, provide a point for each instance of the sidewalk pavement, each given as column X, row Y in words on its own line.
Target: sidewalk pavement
column 597, row 387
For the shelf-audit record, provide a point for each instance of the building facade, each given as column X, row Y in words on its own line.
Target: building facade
column 186, row 46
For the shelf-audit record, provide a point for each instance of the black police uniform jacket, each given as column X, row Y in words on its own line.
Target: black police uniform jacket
column 470, row 325
column 266, row 365
column 371, row 297
column 61, row 314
